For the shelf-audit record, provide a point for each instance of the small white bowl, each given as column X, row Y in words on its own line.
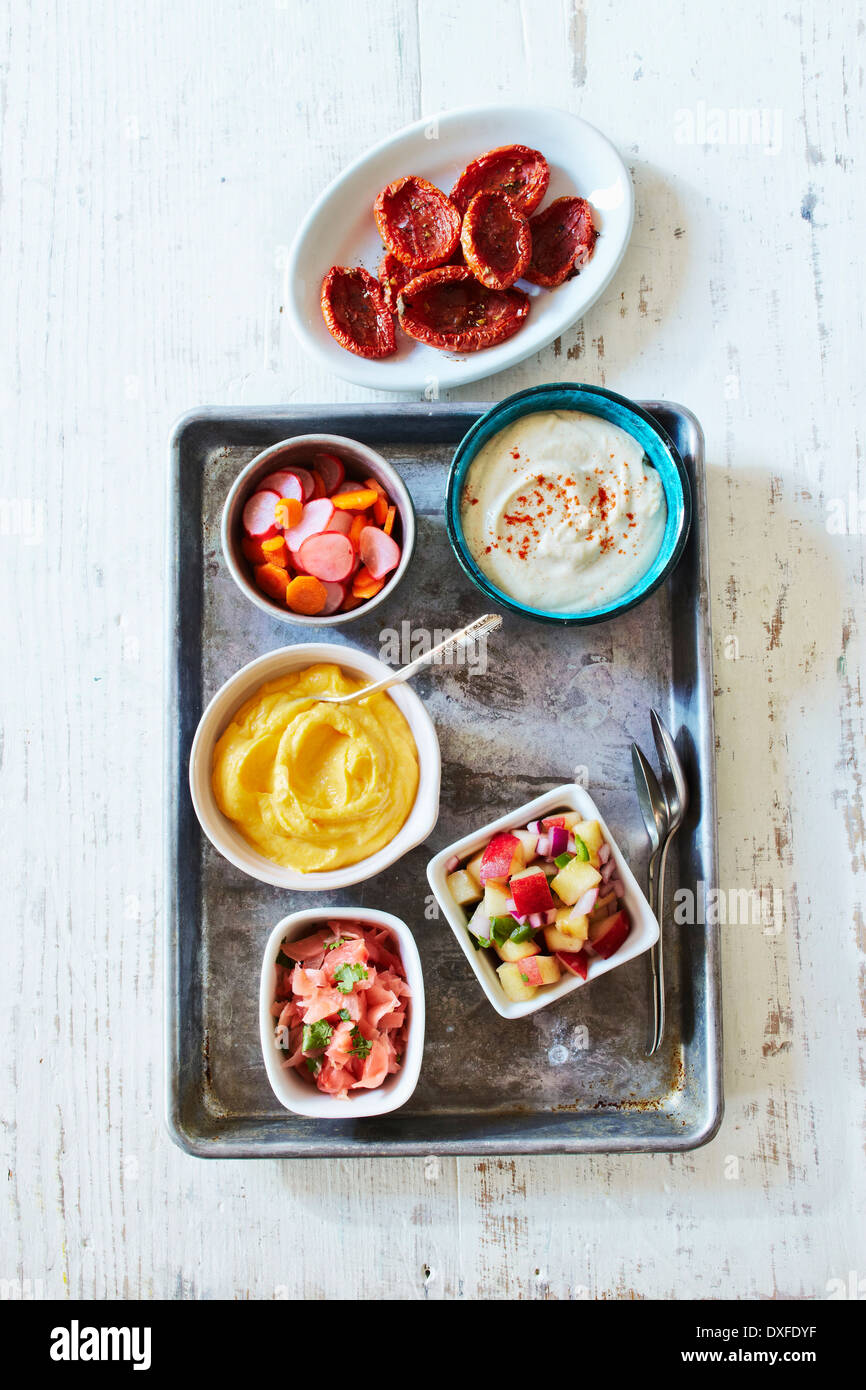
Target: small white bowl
column 288, row 1088
column 644, row 927
column 361, row 462
column 225, row 836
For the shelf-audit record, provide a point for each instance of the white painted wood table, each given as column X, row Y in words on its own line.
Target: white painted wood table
column 156, row 159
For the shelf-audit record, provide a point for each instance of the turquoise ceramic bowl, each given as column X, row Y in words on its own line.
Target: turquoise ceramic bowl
column 593, row 400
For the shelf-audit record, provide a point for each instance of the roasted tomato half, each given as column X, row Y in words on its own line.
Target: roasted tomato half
column 563, row 238
column 393, row 275
column 517, row 170
column 355, row 311
column 417, row 222
column 495, row 239
column 449, row 309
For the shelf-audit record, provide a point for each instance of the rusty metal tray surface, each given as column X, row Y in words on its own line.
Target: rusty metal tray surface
column 572, row 1078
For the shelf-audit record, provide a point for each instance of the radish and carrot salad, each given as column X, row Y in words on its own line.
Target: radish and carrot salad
column 341, row 1006
column 320, row 542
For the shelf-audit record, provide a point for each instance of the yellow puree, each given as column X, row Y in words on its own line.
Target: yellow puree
column 313, row 786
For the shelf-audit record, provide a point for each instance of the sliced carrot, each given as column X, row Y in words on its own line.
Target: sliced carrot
column 305, row 594
column 376, row 486
column 380, row 509
column 276, row 552
column 357, row 526
column 389, row 521
column 354, row 501
column 272, row 581
column 288, row 512
column 319, row 489
column 253, row 550
column 364, row 585
column 349, row 602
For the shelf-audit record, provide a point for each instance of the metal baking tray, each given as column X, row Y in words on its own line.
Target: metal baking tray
column 572, row 1078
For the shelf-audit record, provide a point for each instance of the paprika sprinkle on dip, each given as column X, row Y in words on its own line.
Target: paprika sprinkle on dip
column 562, row 512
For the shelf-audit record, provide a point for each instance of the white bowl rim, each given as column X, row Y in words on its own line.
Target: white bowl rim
column 398, row 1088
column 644, row 928
column 321, row 441
column 221, row 707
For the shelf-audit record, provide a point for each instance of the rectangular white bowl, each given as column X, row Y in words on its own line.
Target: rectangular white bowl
column 644, row 928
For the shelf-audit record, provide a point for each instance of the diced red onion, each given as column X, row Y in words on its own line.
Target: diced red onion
column 519, row 918
column 537, row 919
column 607, row 871
column 510, row 906
column 534, row 827
column 543, row 846
column 618, row 887
column 557, row 841
column 586, row 903
column 550, row 916
column 452, row 864
column 571, row 847
column 603, row 853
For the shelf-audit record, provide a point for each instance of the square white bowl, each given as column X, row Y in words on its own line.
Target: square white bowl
column 644, row 928
column 293, row 1093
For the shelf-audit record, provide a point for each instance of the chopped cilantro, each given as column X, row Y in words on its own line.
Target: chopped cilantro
column 502, row 927
column 346, row 975
column 524, row 978
column 316, row 1036
column 313, row 1064
column 479, row 941
column 332, row 945
column 361, row 1047
column 345, row 1015
column 521, row 932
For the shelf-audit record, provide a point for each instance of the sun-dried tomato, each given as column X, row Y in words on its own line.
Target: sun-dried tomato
column 449, row 309
column 356, row 313
column 393, row 275
column 517, row 170
column 417, row 222
column 563, row 237
column 495, row 239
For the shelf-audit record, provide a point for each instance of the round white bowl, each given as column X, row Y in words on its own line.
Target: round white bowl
column 360, row 462
column 225, row 837
column 288, row 1087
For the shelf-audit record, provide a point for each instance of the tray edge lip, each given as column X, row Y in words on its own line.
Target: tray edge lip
column 196, row 1145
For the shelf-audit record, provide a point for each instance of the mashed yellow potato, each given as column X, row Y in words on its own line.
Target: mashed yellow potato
column 314, row 786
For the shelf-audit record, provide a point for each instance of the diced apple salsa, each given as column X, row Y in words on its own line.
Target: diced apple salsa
column 545, row 899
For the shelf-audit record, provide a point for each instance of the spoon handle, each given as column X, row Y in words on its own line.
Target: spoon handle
column 479, row 628
column 655, row 897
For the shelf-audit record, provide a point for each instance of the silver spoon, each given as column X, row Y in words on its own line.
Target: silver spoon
column 654, row 811
column 676, row 797
column 480, row 628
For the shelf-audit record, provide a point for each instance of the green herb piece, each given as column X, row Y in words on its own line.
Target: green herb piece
column 361, row 1047
column 332, row 945
column 502, row 927
column 524, row 978
column 580, row 849
column 345, row 1015
column 521, row 932
column 480, row 942
column 316, row 1036
column 346, row 975
column 562, row 859
column 313, row 1064
column 286, row 961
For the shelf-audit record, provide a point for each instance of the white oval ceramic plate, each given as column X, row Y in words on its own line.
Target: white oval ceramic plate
column 340, row 230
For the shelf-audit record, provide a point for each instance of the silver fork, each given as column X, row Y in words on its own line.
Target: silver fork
column 654, row 811
column 676, row 795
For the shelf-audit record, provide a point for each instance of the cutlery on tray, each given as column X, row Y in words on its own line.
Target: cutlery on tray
column 663, row 808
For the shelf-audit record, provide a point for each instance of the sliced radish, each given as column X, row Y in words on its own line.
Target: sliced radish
column 331, row 471
column 286, row 484
column 328, row 555
column 584, row 905
column 315, row 517
column 335, row 600
column 258, row 517
column 340, row 521
column 379, row 552
column 347, row 486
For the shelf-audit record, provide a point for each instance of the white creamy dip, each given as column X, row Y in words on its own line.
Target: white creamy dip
column 562, row 512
